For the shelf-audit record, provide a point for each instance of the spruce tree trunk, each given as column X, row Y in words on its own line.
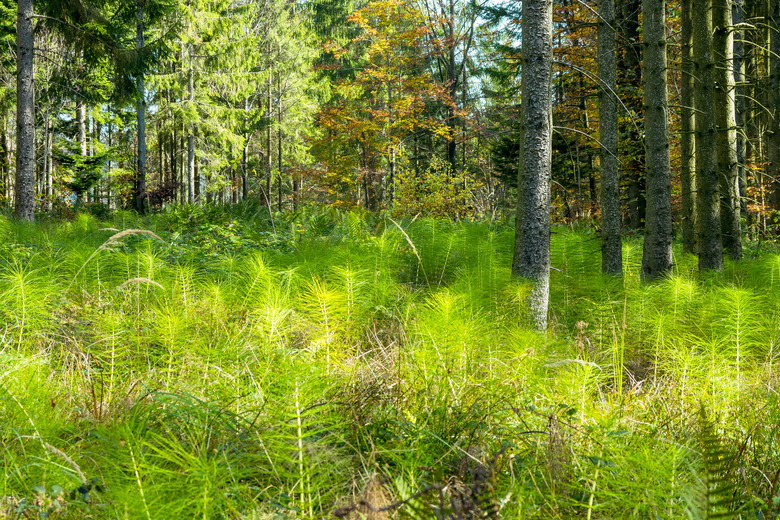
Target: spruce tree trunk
column 709, row 245
column 657, row 251
column 25, row 113
column 726, row 124
column 611, row 246
column 140, row 179
column 774, row 95
column 687, row 129
column 532, row 231
column 739, row 98
column 631, row 93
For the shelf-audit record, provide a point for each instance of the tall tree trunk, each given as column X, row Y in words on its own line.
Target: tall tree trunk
column 25, row 113
column 710, row 247
column 657, row 251
column 191, row 133
column 774, row 93
column 532, row 231
column 245, row 151
column 726, row 124
column 687, row 124
column 140, row 201
column 268, row 140
column 631, row 93
column 739, row 99
column 611, row 246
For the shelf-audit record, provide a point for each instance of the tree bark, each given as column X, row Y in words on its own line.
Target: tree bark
column 657, row 250
column 687, row 129
column 774, row 94
column 611, row 246
column 25, row 113
column 631, row 93
column 532, row 231
column 726, row 124
column 709, row 245
column 140, row 179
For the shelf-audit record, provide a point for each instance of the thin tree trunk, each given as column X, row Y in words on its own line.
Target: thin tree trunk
column 140, row 201
column 611, row 246
column 25, row 113
column 774, row 92
column 191, row 133
column 687, row 128
column 726, row 124
column 268, row 142
column 739, row 99
column 657, row 250
column 245, row 151
column 710, row 247
column 532, row 231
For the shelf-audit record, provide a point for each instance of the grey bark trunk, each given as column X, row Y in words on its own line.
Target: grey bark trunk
column 191, row 136
column 739, row 96
column 611, row 246
column 244, row 152
column 726, row 124
column 25, row 113
column 687, row 128
column 709, row 245
column 774, row 93
column 140, row 187
column 657, row 250
column 532, row 231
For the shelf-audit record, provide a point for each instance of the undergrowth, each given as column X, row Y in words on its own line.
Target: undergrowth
column 227, row 363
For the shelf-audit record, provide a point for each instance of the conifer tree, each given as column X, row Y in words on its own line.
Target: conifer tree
column 25, row 113
column 532, row 225
column 709, row 245
column 657, row 252
column 611, row 244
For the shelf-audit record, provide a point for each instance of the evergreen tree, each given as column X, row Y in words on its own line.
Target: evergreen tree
column 532, row 231
column 657, row 252
column 611, row 243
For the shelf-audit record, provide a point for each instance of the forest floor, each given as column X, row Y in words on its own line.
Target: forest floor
column 214, row 363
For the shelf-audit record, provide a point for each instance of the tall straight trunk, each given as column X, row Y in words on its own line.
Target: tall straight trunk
column 108, row 175
column 46, row 160
column 245, row 151
column 50, row 170
column 453, row 89
column 631, row 93
column 268, row 140
column 657, row 250
column 191, row 133
column 710, row 247
column 391, row 150
column 726, row 124
column 25, row 113
column 140, row 201
column 532, row 230
column 774, row 93
column 739, row 99
column 611, row 246
column 279, row 153
column 687, row 137
column 4, row 156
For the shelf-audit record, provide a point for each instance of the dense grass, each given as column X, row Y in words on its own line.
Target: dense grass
column 238, row 367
